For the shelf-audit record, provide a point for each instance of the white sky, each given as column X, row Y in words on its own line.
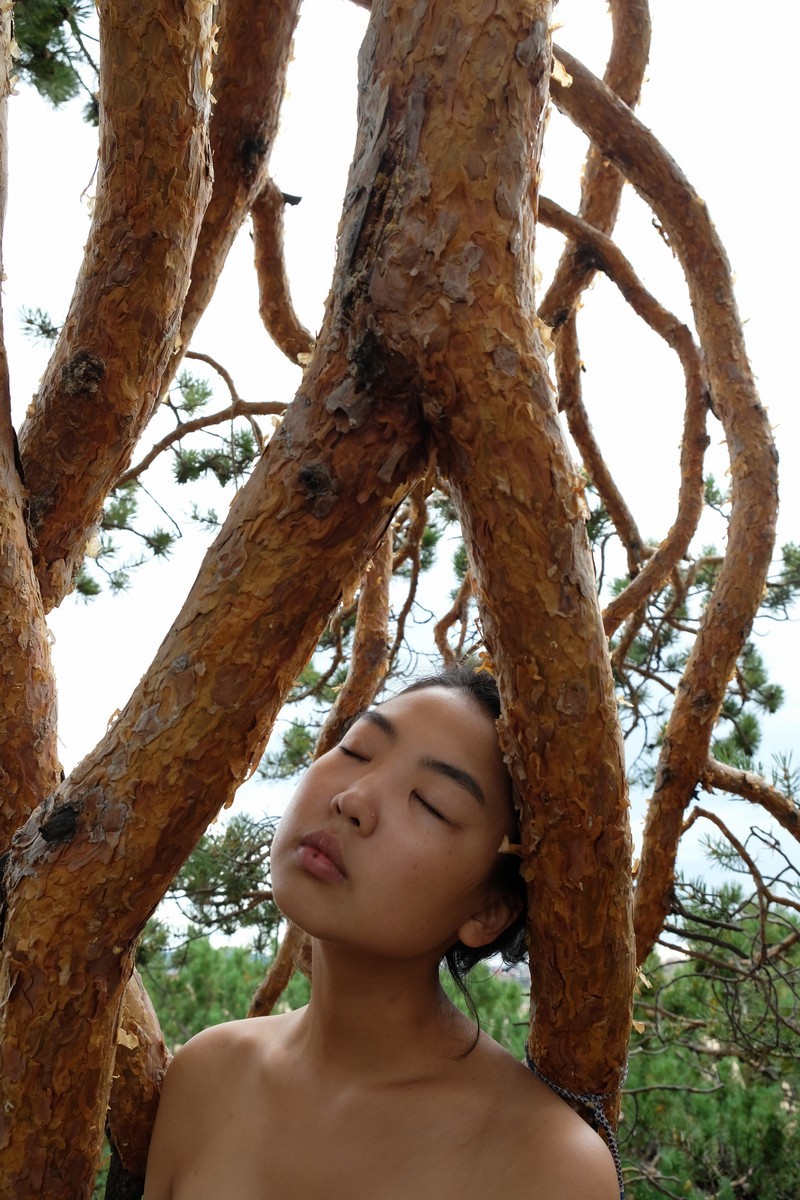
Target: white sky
column 715, row 98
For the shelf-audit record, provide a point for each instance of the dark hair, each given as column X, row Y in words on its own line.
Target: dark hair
column 478, row 682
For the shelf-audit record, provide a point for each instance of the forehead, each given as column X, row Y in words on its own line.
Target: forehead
column 448, row 724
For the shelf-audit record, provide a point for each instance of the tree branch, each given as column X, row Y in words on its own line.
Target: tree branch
column 29, row 766
column 103, row 380
column 718, row 776
column 369, row 659
column 140, row 1064
column 609, row 259
column 454, row 196
column 570, row 401
column 456, row 612
column 729, row 616
column 275, row 981
column 240, row 408
column 274, row 295
column 601, row 182
column 255, row 41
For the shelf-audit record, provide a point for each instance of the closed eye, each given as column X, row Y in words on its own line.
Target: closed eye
column 429, row 808
column 351, row 753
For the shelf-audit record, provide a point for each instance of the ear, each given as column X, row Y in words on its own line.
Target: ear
column 489, row 922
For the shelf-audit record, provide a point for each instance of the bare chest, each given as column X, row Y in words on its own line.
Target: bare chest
column 382, row 1150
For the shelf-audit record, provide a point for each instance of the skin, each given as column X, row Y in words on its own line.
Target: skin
column 385, row 856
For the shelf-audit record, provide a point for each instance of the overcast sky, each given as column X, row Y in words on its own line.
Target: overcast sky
column 717, row 98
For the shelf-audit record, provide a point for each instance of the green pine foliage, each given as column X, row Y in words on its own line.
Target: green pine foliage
column 224, row 886
column 38, row 325
column 55, row 55
column 703, row 1117
column 197, row 985
column 708, row 1110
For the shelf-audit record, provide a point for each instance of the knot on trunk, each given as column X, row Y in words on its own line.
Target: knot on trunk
column 60, row 826
column 82, row 374
column 316, row 479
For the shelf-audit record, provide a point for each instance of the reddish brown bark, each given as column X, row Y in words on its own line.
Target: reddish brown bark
column 751, row 531
column 570, row 402
column 319, row 501
column 601, row 182
column 280, row 972
column 29, row 767
column 141, row 1059
column 609, row 259
column 274, row 296
column 255, row 41
column 456, row 612
column 449, row 270
column 369, row 658
column 317, row 504
column 717, row 776
column 104, row 379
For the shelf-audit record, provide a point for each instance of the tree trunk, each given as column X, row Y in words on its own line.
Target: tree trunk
column 110, row 841
column 429, row 338
column 445, row 170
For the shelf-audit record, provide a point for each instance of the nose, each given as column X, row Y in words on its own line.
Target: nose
column 355, row 805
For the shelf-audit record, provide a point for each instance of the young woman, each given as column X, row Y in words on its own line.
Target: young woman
column 390, row 857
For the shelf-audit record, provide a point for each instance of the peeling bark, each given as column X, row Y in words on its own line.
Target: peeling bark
column 369, row 659
column 751, row 532
column 601, row 182
column 717, row 776
column 29, row 766
column 453, row 144
column 609, row 259
column 255, row 42
column 274, row 297
column 104, row 378
column 141, row 1061
column 319, row 502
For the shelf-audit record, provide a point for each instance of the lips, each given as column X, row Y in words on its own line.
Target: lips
column 320, row 854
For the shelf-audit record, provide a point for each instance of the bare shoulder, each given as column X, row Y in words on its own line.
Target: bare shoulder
column 546, row 1150
column 198, row 1080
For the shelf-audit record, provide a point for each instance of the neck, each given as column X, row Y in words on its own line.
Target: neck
column 383, row 1020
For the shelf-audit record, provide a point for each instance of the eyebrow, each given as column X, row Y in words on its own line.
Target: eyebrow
column 463, row 778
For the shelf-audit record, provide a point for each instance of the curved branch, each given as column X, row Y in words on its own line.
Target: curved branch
column 275, row 982
column 717, row 776
column 255, row 41
column 620, row 652
column 416, row 529
column 751, row 532
column 570, row 401
column 765, row 893
column 369, row 659
column 103, row 381
column 241, row 408
column 608, row 258
column 274, row 296
column 456, row 612
column 450, row 198
column 601, row 182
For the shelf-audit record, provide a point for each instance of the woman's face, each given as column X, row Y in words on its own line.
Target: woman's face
column 391, row 838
